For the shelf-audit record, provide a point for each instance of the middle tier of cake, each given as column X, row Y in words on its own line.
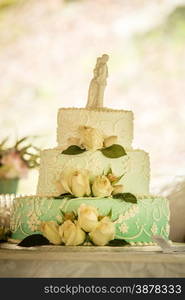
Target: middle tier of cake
column 135, row 168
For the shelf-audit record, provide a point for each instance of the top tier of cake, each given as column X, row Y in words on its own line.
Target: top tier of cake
column 109, row 121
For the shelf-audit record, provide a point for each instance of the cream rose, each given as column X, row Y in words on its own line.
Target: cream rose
column 109, row 141
column 71, row 233
column 102, row 187
column 87, row 217
column 75, row 183
column 50, row 230
column 80, row 184
column 91, row 138
column 103, row 233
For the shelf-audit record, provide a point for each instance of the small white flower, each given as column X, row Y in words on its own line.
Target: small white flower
column 123, row 228
column 33, row 222
column 154, row 229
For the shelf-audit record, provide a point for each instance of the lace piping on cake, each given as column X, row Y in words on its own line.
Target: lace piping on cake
column 128, row 214
column 134, row 164
column 143, row 244
column 134, row 236
column 101, row 109
column 155, row 217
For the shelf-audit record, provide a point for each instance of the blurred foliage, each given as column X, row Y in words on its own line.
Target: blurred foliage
column 8, row 3
column 172, row 30
column 29, row 153
column 175, row 25
column 166, row 40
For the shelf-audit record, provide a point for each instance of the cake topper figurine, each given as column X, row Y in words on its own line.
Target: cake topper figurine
column 98, row 83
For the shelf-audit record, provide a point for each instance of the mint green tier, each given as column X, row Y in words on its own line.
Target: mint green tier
column 134, row 223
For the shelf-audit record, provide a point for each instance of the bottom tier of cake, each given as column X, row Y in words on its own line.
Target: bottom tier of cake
column 135, row 223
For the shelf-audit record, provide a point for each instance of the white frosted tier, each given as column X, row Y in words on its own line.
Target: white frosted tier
column 135, row 165
column 110, row 122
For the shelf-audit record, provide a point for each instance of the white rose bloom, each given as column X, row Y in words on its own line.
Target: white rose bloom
column 64, row 182
column 102, row 187
column 87, row 217
column 103, row 233
column 91, row 138
column 75, row 182
column 71, row 234
column 80, row 184
column 50, row 230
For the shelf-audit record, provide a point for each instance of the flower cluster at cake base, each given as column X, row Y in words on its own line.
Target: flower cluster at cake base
column 87, row 227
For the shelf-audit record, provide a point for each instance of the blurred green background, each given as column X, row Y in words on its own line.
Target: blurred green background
column 48, row 50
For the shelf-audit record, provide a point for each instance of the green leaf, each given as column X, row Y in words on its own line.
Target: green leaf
column 73, row 150
column 24, row 149
column 62, row 213
column 128, row 197
column 87, row 241
column 117, row 243
column 34, row 240
column 75, row 213
column 64, row 196
column 109, row 171
column 110, row 214
column 3, row 142
column 21, row 141
column 113, row 151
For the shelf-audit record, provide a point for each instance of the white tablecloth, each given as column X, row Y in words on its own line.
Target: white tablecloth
column 58, row 261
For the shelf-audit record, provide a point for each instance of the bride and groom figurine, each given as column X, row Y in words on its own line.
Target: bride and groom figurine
column 98, row 83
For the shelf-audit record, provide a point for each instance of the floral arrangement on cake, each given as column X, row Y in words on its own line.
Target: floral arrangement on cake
column 84, row 227
column 87, row 226
column 16, row 160
column 92, row 139
column 77, row 183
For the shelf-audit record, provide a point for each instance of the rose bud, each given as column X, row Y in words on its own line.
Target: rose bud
column 50, row 230
column 102, row 187
column 87, row 217
column 71, row 234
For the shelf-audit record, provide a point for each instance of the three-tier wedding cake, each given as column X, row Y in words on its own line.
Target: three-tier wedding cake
column 93, row 186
